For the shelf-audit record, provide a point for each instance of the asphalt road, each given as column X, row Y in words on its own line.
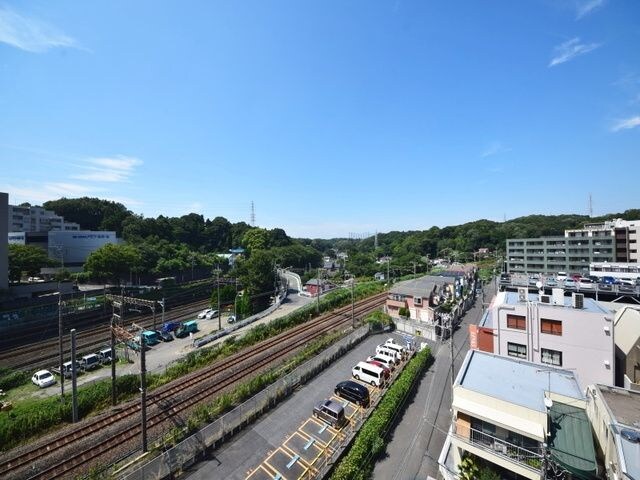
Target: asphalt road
column 419, row 436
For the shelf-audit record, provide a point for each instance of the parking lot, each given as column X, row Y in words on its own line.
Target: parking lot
column 161, row 355
column 288, row 439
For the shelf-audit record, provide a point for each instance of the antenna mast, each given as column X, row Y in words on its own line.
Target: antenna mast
column 590, row 206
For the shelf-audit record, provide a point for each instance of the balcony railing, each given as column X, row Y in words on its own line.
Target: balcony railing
column 529, row 458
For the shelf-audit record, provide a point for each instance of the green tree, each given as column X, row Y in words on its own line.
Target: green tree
column 257, row 277
column 26, row 259
column 255, row 239
column 91, row 213
column 112, row 262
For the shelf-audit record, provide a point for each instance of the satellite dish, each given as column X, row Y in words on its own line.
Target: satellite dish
column 548, row 402
column 539, row 284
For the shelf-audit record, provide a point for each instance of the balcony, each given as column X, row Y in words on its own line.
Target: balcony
column 505, row 448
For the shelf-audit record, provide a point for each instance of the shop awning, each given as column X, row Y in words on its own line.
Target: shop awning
column 571, row 442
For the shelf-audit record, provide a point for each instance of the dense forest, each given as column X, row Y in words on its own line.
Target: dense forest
column 166, row 244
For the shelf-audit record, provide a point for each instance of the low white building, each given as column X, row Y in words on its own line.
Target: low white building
column 615, row 416
column 513, row 417
column 567, row 332
column 68, row 248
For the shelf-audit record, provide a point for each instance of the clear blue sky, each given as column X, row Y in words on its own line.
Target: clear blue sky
column 332, row 116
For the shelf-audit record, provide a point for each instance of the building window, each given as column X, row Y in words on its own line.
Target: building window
column 551, row 357
column 516, row 350
column 417, row 300
column 552, row 327
column 516, row 321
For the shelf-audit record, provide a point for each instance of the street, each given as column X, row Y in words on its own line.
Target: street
column 416, row 441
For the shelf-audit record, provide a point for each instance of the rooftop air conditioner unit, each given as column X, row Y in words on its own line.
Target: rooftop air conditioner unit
column 522, row 294
column 558, row 296
column 545, row 299
column 578, row 300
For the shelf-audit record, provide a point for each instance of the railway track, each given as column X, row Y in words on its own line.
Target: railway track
column 45, row 353
column 92, row 439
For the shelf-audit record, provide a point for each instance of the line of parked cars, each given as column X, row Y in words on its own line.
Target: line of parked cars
column 375, row 371
column 44, row 378
column 210, row 313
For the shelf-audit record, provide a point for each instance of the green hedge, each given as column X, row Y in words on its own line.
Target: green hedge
column 12, row 378
column 370, row 441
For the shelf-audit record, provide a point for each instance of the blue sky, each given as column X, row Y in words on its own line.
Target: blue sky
column 332, row 116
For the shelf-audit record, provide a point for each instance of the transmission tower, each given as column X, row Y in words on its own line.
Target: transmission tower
column 253, row 214
column 590, row 206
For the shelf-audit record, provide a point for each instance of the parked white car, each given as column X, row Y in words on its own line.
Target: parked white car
column 204, row 313
column 43, row 378
column 211, row 314
column 586, row 284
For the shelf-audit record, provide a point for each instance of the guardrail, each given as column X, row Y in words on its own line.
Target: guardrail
column 232, row 328
column 187, row 452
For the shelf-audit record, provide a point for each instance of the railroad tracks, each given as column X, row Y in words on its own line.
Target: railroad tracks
column 45, row 353
column 91, row 440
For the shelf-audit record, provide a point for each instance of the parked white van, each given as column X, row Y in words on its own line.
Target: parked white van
column 384, row 350
column 391, row 343
column 368, row 373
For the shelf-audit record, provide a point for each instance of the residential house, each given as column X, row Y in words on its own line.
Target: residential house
column 627, row 337
column 422, row 298
column 568, row 332
column 615, row 418
column 513, row 417
column 314, row 285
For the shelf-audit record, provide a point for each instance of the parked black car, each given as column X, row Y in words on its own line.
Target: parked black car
column 165, row 336
column 353, row 391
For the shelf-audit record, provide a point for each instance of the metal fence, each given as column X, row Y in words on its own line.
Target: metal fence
column 187, row 452
column 231, row 328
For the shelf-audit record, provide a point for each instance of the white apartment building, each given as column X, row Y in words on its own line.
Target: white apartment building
column 4, row 249
column 513, row 417
column 37, row 219
column 612, row 241
column 574, row 333
column 615, row 416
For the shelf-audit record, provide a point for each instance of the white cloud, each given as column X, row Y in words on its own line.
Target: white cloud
column 47, row 191
column 195, row 207
column 570, row 49
column 30, row 34
column 109, row 169
column 493, row 149
column 626, row 124
column 585, row 7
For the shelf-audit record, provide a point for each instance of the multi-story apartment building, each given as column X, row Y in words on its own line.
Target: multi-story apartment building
column 613, row 241
column 4, row 249
column 36, row 219
column 514, row 418
column 568, row 332
column 615, row 416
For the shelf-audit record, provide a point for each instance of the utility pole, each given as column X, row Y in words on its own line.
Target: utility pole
column 143, row 392
column 219, row 306
column 113, row 357
column 60, row 345
column 74, row 375
column 388, row 277
column 353, row 305
column 318, row 292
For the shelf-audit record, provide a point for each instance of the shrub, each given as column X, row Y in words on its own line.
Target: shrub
column 12, row 378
